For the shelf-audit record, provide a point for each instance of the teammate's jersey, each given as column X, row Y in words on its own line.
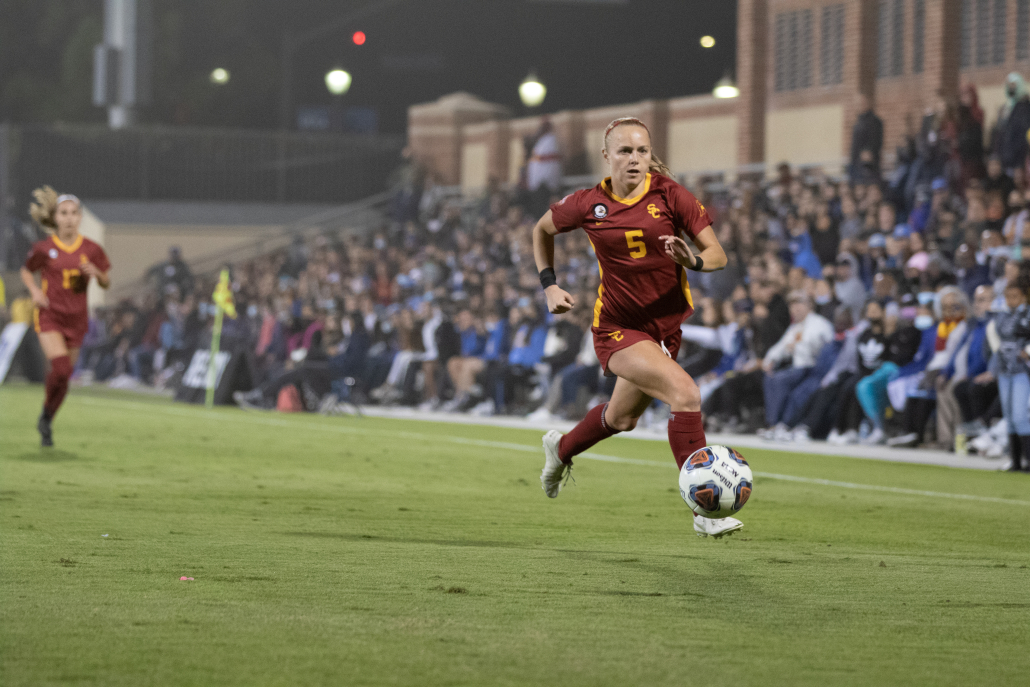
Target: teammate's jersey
column 641, row 287
column 62, row 280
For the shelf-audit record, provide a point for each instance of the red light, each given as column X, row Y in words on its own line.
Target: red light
column 358, row 38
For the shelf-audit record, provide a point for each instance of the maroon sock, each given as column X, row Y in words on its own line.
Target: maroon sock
column 588, row 432
column 57, row 384
column 686, row 435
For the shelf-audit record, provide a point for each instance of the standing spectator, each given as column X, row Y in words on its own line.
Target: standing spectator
column 1010, row 144
column 174, row 272
column 866, row 143
column 543, row 171
column 970, row 135
column 1010, row 366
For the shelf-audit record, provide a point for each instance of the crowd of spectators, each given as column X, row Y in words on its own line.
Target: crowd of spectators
column 872, row 307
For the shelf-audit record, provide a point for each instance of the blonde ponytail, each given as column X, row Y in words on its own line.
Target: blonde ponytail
column 659, row 167
column 43, row 209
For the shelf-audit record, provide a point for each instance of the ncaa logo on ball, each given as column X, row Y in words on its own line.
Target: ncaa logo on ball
column 53, row 254
column 600, row 211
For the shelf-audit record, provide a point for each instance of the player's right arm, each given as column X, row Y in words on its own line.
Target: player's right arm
column 34, row 264
column 558, row 300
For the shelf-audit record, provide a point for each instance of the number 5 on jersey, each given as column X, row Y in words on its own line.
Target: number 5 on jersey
column 638, row 249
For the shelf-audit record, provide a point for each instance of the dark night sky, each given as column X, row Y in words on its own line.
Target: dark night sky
column 588, row 53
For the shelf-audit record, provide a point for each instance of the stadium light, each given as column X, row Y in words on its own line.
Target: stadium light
column 725, row 88
column 338, row 81
column 707, row 42
column 219, row 76
column 532, row 91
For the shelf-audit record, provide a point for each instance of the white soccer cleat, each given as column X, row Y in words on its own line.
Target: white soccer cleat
column 554, row 470
column 710, row 527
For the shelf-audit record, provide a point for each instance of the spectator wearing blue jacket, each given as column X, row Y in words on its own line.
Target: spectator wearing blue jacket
column 800, row 246
column 965, row 388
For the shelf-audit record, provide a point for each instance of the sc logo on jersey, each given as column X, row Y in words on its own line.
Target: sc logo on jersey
column 653, row 210
column 600, row 211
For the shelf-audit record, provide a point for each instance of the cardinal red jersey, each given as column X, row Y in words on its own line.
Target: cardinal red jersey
column 641, row 289
column 64, row 284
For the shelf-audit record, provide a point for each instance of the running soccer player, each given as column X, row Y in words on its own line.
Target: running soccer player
column 633, row 220
column 67, row 261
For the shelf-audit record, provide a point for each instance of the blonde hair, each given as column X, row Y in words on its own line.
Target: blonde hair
column 43, row 209
column 656, row 166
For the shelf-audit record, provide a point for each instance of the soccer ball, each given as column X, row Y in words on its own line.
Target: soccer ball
column 716, row 481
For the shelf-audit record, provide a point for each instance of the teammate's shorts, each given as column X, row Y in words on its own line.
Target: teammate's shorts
column 72, row 327
column 608, row 340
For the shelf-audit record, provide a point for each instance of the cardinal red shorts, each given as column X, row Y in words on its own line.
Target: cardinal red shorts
column 72, row 327
column 608, row 340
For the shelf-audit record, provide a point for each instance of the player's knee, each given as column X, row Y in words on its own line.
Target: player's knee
column 623, row 423
column 61, row 367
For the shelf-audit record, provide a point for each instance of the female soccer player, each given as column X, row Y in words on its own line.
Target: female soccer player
column 633, row 219
column 67, row 261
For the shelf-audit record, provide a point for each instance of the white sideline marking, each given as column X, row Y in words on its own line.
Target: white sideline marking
column 250, row 418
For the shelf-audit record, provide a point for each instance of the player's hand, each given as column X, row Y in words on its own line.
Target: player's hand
column 558, row 301
column 678, row 251
column 91, row 270
column 39, row 299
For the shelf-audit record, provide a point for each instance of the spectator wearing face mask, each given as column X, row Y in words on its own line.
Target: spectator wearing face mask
column 1010, row 143
column 900, row 348
column 847, row 286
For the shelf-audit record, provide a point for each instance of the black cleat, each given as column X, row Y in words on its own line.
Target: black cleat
column 46, row 436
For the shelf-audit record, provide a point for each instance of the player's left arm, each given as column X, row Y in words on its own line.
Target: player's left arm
column 713, row 257
column 98, row 268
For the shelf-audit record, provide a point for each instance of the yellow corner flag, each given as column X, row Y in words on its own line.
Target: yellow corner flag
column 223, row 295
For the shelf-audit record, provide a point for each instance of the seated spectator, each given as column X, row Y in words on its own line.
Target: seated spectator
column 800, row 346
column 915, row 390
column 965, row 387
column 466, row 366
column 798, row 400
column 900, row 348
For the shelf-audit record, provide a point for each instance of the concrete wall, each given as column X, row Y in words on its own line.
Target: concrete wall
column 805, row 135
column 474, row 161
column 93, row 229
column 135, row 248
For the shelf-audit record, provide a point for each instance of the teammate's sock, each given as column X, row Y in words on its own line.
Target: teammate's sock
column 57, row 385
column 686, row 435
column 588, row 432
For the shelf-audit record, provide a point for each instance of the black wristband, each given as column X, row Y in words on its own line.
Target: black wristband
column 548, row 277
column 699, row 265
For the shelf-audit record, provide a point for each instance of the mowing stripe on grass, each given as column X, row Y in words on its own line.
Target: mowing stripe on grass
column 202, row 414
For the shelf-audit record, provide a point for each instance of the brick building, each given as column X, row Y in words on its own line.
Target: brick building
column 801, row 67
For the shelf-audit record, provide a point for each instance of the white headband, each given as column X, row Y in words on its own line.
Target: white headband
column 68, row 196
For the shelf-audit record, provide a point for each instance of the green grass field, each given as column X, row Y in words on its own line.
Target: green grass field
column 348, row 551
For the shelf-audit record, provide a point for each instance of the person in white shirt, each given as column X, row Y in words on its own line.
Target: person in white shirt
column 800, row 345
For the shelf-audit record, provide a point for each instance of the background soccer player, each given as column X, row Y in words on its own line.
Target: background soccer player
column 67, row 261
column 633, row 219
